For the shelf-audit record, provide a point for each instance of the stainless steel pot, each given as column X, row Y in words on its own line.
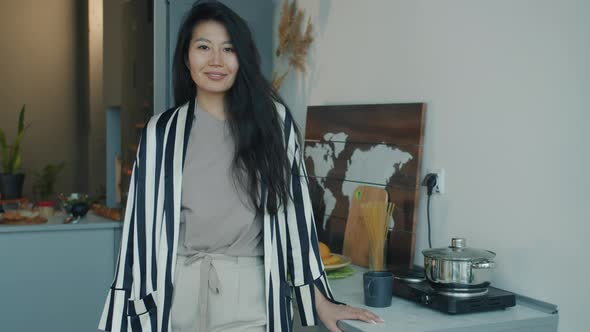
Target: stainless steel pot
column 458, row 268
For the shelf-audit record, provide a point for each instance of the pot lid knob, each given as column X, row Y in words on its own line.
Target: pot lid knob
column 458, row 242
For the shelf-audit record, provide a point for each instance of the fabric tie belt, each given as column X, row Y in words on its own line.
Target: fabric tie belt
column 209, row 279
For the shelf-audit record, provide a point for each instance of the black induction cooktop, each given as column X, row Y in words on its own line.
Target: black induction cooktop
column 422, row 293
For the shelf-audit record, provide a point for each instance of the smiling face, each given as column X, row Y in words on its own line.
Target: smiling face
column 211, row 59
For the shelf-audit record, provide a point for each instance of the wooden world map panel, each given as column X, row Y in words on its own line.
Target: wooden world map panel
column 378, row 145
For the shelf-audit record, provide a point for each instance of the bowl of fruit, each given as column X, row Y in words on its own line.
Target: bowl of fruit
column 331, row 260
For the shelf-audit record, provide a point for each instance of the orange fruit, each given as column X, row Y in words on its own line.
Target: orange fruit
column 324, row 250
column 332, row 260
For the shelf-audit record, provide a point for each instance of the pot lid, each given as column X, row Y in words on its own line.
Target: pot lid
column 458, row 251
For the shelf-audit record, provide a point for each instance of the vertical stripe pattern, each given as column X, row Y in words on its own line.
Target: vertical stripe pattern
column 140, row 295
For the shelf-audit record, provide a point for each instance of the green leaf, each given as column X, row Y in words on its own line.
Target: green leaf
column 5, row 165
column 21, row 128
column 21, row 121
column 17, row 161
column 2, row 139
column 4, row 150
column 340, row 273
column 12, row 155
column 45, row 180
column 19, row 138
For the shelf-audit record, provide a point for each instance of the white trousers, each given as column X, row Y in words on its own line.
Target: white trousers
column 214, row 293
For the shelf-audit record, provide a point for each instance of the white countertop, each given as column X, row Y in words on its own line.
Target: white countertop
column 56, row 223
column 407, row 316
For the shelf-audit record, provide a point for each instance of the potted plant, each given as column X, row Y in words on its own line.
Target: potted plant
column 11, row 178
column 44, row 187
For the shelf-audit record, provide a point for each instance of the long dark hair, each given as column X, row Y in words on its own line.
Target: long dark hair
column 260, row 158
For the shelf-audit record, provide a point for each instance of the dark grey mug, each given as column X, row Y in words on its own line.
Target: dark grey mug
column 378, row 286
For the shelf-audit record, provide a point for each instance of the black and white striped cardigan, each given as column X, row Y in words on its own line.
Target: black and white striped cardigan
column 140, row 296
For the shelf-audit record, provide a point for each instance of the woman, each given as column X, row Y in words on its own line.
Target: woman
column 218, row 229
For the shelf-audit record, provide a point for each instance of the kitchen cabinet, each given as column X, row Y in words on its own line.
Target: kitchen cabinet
column 528, row 315
column 55, row 276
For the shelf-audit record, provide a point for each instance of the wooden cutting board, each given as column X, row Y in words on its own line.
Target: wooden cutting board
column 356, row 241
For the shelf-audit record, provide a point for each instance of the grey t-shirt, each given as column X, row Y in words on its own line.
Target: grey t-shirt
column 216, row 216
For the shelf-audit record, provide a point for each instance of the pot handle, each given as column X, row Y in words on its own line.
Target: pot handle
column 483, row 265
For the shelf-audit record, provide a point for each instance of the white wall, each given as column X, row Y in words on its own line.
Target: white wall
column 39, row 67
column 97, row 114
column 504, row 82
column 112, row 52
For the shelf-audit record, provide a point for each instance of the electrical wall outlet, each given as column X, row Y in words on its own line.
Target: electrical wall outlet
column 440, row 181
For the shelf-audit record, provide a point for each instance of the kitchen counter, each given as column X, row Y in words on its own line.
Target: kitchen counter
column 403, row 315
column 56, row 223
column 55, row 276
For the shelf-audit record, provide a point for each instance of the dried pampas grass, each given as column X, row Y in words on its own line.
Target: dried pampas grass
column 294, row 42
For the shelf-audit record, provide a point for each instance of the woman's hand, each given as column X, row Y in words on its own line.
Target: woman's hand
column 330, row 313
